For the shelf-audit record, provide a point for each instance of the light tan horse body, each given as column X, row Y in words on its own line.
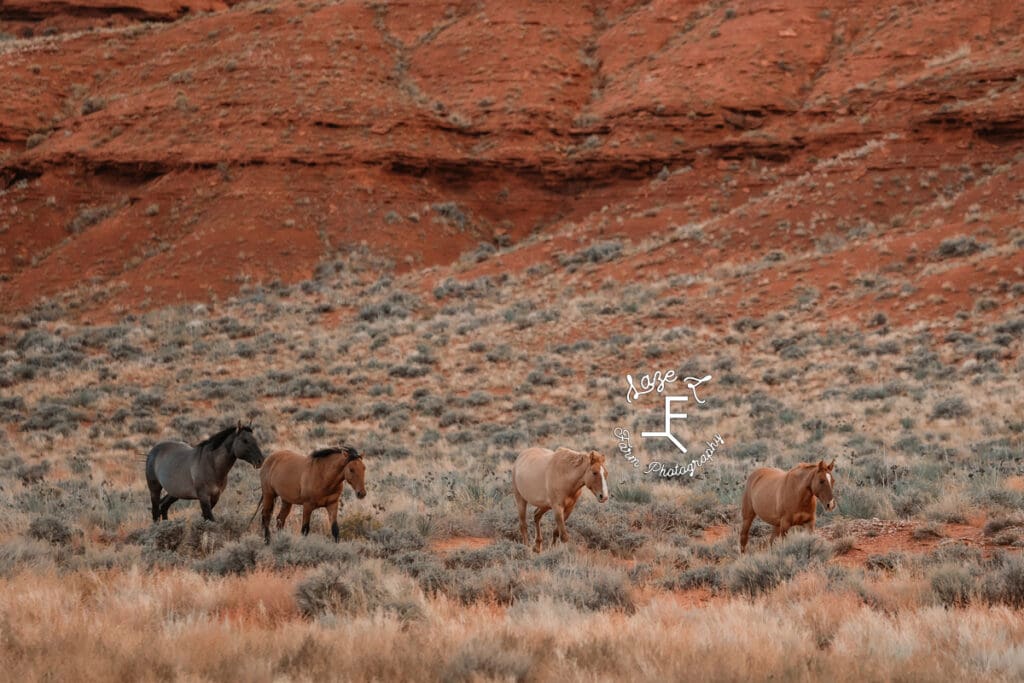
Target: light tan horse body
column 786, row 499
column 313, row 481
column 554, row 480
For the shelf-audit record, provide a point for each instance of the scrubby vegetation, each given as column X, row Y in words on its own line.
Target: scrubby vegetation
column 441, row 376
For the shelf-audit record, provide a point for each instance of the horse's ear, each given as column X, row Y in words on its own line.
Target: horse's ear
column 821, row 464
column 831, row 464
column 239, row 428
column 595, row 457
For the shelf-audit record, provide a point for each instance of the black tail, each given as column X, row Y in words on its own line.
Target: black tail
column 259, row 506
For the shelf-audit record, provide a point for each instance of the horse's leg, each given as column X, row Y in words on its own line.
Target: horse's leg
column 775, row 534
column 268, row 511
column 536, row 520
column 286, row 509
column 748, row 519
column 745, row 531
column 570, row 503
column 332, row 512
column 165, row 504
column 154, row 496
column 307, row 512
column 204, row 505
column 521, row 504
column 560, row 522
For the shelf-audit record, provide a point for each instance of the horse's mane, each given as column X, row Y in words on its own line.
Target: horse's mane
column 345, row 450
column 570, row 460
column 217, row 440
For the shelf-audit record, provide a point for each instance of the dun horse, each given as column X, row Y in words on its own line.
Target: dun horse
column 313, row 481
column 786, row 499
column 198, row 473
column 554, row 480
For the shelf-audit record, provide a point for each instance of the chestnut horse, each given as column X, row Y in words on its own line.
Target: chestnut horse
column 786, row 499
column 313, row 481
column 554, row 480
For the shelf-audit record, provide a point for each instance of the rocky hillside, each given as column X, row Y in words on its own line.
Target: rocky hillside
column 860, row 160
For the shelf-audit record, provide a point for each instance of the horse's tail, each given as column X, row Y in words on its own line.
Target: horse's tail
column 259, row 506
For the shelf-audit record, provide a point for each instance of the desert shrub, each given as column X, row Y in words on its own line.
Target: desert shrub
column 350, row 590
column 325, row 413
column 18, row 554
column 805, row 548
column 1004, row 584
column 425, row 567
column 599, row 252
column 89, row 216
column 952, row 585
column 926, row 531
column 997, row 524
column 451, row 214
column 632, row 493
column 961, row 245
column 50, row 529
column 481, row 658
column 239, row 557
column 356, row 525
column 602, row 531
column 310, row 551
column 409, row 371
column 705, row 576
column 754, row 574
column 452, row 417
column 949, row 408
column 499, row 552
column 864, row 502
column 52, row 416
column 586, row 587
column 885, row 561
column 752, row 450
column 391, row 541
column 758, row 573
column 397, row 305
column 164, row 535
column 659, row 516
column 501, row 584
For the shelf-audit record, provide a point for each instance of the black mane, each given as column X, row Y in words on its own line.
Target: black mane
column 218, row 439
column 346, row 450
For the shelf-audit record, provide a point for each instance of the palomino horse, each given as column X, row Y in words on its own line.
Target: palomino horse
column 786, row 499
column 198, row 473
column 313, row 481
column 554, row 480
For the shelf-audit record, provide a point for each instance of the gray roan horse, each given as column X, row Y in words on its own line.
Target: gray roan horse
column 198, row 473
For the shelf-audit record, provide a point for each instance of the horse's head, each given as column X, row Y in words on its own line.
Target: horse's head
column 355, row 472
column 823, row 483
column 244, row 446
column 596, row 477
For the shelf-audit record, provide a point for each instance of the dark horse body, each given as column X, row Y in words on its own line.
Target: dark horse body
column 199, row 473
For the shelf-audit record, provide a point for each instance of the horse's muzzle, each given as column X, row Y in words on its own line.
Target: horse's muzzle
column 602, row 498
column 831, row 505
column 361, row 494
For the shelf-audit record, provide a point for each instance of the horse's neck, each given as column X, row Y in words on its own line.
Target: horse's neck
column 578, row 481
column 222, row 460
column 801, row 482
column 333, row 472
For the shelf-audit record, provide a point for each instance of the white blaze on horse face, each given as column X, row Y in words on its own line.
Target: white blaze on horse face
column 604, row 484
column 829, row 477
